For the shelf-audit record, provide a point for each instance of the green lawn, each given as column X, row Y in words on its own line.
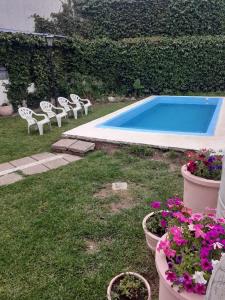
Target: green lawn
column 63, row 234
column 16, row 143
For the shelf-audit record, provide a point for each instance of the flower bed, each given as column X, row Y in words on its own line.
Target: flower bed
column 193, row 246
column 205, row 163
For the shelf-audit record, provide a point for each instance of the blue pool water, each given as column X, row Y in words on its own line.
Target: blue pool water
column 170, row 114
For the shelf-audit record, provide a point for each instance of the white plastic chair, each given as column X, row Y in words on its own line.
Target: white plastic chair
column 66, row 104
column 27, row 114
column 50, row 110
column 85, row 103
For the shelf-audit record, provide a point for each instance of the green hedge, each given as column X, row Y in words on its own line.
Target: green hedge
column 164, row 65
column 134, row 18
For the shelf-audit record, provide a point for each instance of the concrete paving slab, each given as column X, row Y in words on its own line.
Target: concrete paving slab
column 63, row 144
column 119, row 186
column 6, row 166
column 22, row 161
column 71, row 158
column 81, row 147
column 10, row 178
column 41, row 156
column 35, row 170
column 55, row 163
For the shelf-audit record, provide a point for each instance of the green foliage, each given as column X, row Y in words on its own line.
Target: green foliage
column 92, row 68
column 129, row 287
column 172, row 154
column 134, row 18
column 140, row 151
column 154, row 224
column 138, row 87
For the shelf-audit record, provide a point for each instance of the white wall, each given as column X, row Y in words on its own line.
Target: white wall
column 3, row 95
column 16, row 14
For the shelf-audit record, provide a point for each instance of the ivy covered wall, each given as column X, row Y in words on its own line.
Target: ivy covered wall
column 136, row 18
column 164, row 65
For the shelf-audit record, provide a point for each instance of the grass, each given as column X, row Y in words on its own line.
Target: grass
column 16, row 143
column 49, row 221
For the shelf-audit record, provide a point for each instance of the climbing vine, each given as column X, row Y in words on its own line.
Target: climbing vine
column 92, row 68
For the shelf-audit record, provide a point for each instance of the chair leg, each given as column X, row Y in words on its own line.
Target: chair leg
column 75, row 114
column 40, row 128
column 59, row 121
column 86, row 110
column 28, row 129
column 50, row 125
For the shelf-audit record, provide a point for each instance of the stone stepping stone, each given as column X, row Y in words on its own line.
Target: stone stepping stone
column 44, row 155
column 71, row 158
column 56, row 163
column 6, row 166
column 81, row 147
column 35, row 170
column 10, row 178
column 63, row 144
column 22, row 161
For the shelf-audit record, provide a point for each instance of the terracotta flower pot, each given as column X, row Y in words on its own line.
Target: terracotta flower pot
column 199, row 193
column 151, row 239
column 166, row 292
column 6, row 110
column 109, row 289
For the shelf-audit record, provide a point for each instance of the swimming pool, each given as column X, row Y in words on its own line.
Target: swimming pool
column 186, row 115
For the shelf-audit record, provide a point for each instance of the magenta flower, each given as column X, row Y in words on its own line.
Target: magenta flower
column 188, row 286
column 206, row 265
column 163, row 223
column 155, row 204
column 171, row 276
column 200, row 289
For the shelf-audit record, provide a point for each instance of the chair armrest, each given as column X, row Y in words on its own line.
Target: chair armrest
column 40, row 115
column 86, row 101
column 60, row 108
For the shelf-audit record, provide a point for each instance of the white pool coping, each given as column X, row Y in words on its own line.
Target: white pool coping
column 91, row 132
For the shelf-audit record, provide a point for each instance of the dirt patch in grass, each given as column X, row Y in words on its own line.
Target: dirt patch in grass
column 126, row 199
column 91, row 246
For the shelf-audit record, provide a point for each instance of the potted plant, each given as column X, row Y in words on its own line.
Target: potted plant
column 129, row 286
column 6, row 109
column 202, row 175
column 187, row 255
column 155, row 224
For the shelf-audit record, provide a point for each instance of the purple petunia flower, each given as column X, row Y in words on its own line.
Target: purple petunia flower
column 206, row 265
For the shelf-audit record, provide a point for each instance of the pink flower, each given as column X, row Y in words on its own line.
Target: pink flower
column 180, row 217
column 197, row 217
column 198, row 231
column 176, row 231
column 164, row 244
column 156, row 204
column 179, row 241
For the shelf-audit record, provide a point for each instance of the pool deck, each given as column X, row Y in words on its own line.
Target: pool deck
column 90, row 132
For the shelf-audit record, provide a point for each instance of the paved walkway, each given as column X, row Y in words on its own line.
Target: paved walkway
column 15, row 170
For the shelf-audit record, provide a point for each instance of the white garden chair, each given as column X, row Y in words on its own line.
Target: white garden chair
column 27, row 114
column 66, row 104
column 85, row 103
column 51, row 111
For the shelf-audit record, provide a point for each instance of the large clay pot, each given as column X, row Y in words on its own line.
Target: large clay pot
column 166, row 292
column 6, row 110
column 151, row 239
column 199, row 193
column 109, row 289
